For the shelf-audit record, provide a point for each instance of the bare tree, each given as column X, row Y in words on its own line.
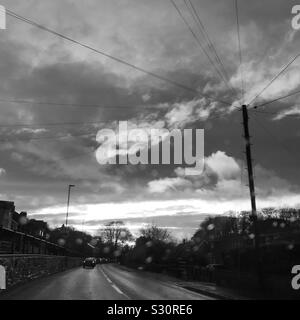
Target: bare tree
column 155, row 233
column 115, row 233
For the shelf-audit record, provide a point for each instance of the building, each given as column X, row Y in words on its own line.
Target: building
column 9, row 218
column 20, row 236
column 7, row 210
column 36, row 228
column 19, row 220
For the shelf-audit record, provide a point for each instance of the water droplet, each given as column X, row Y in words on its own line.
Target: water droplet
column 210, row 227
column 61, row 242
column 117, row 253
column 79, row 241
column 106, row 250
column 23, row 221
column 149, row 244
column 94, row 242
column 148, row 260
column 123, row 234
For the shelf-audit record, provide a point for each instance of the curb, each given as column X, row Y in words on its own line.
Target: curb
column 208, row 293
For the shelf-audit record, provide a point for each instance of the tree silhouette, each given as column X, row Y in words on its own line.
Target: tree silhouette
column 155, row 233
column 115, row 233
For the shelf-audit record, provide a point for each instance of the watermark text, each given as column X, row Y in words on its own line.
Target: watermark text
column 2, row 18
column 152, row 146
column 296, row 18
column 296, row 278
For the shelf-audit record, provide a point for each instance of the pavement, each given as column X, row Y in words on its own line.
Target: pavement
column 208, row 289
column 104, row 282
column 213, row 291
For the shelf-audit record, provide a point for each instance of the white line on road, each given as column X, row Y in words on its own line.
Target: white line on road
column 117, row 289
column 113, row 285
column 105, row 276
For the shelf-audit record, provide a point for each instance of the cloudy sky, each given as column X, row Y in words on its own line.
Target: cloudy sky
column 55, row 95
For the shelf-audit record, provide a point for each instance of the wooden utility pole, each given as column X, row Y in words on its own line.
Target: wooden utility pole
column 68, row 202
column 252, row 194
column 249, row 160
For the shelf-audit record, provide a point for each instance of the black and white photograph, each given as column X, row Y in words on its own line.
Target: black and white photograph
column 149, row 150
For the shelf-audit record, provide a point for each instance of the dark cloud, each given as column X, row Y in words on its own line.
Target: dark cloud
column 40, row 67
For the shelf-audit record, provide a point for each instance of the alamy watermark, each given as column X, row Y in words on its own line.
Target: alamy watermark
column 296, row 279
column 296, row 18
column 2, row 18
column 152, row 146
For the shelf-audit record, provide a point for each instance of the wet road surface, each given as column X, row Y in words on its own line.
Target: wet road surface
column 104, row 282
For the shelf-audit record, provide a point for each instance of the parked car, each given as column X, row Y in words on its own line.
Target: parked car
column 89, row 262
column 103, row 260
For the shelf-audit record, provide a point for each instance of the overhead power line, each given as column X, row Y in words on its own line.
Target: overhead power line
column 239, row 48
column 46, row 138
column 57, row 124
column 52, row 124
column 295, row 116
column 200, row 44
column 204, row 31
column 119, row 60
column 277, row 99
column 205, row 35
column 58, row 104
column 275, row 78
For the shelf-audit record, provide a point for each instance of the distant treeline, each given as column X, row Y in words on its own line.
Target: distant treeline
column 225, row 240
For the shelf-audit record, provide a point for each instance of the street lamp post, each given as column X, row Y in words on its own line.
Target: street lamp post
column 69, row 192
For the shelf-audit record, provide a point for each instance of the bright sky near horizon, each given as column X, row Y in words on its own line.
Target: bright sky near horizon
column 45, row 147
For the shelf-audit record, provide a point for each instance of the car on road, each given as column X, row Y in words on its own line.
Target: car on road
column 103, row 260
column 89, row 262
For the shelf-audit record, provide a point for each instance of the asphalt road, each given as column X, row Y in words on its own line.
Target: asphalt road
column 104, row 282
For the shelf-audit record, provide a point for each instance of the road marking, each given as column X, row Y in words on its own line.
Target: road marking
column 105, row 276
column 117, row 289
column 113, row 285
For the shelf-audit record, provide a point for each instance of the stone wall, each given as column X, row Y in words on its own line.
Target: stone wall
column 22, row 268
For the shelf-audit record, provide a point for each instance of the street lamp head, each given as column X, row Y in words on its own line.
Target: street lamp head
column 71, row 185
